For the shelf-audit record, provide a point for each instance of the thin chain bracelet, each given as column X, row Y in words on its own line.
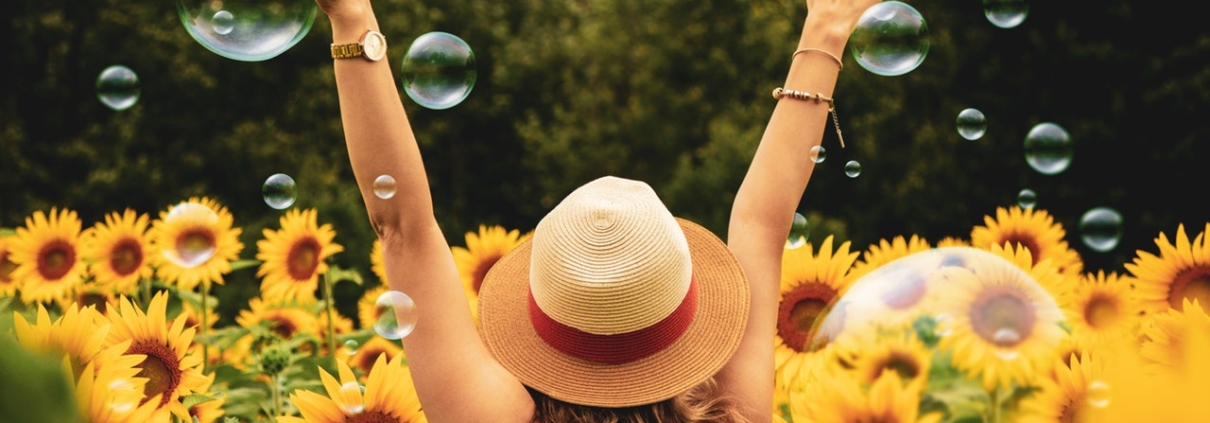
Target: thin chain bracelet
column 779, row 93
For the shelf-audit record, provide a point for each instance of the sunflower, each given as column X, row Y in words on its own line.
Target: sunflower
column 293, row 257
column 1164, row 338
column 1069, row 396
column 1103, row 309
column 211, row 410
column 284, row 320
column 839, row 398
column 809, row 283
column 1033, row 228
column 88, row 294
column 376, row 262
column 79, row 334
column 897, row 351
column 8, row 284
column 118, row 251
column 1059, row 285
column 950, row 241
column 112, row 392
column 172, row 372
column 1181, row 271
column 194, row 243
column 368, row 352
column 388, row 397
column 1005, row 327
column 47, row 255
column 193, row 319
column 480, row 254
column 368, row 311
column 887, row 251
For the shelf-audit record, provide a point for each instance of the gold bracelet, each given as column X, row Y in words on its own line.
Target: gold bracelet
column 833, row 56
column 779, row 93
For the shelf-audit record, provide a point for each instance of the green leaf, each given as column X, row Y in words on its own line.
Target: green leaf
column 336, row 274
column 195, row 399
column 7, row 232
column 244, row 264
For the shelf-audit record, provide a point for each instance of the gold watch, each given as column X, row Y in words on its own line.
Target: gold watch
column 372, row 46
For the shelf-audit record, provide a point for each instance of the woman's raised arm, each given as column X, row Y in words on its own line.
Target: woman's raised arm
column 765, row 203
column 448, row 361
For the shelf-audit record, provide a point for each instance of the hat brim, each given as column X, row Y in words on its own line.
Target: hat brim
column 707, row 344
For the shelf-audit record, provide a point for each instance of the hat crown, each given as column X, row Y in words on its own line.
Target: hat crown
column 609, row 259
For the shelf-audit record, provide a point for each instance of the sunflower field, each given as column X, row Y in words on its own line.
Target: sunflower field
column 115, row 322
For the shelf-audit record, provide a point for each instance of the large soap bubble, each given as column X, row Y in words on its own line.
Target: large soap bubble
column 891, row 39
column 247, row 30
column 968, row 308
column 438, row 70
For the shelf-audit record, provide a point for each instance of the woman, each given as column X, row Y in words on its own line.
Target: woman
column 614, row 310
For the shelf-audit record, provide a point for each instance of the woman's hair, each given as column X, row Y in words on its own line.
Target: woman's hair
column 702, row 404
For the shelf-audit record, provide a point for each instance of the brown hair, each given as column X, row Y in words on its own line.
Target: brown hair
column 702, row 404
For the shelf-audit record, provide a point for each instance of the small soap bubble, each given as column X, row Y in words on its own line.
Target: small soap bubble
column 384, row 186
column 279, row 191
column 891, row 39
column 438, row 70
column 396, row 315
column 351, row 347
column 818, row 154
column 1007, row 339
column 1048, row 148
column 971, row 124
column 1027, row 198
column 800, row 232
column 1005, row 13
column 223, row 22
column 1101, row 228
column 118, row 87
column 192, row 248
column 1097, row 394
column 852, row 168
column 247, row 30
column 350, row 401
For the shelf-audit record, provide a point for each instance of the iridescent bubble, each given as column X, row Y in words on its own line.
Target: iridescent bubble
column 971, row 124
column 1097, row 394
column 279, row 191
column 438, row 70
column 123, row 397
column 118, row 87
column 818, row 154
column 1048, row 148
column 1005, row 13
column 192, row 247
column 351, row 347
column 800, row 232
column 1007, row 338
column 384, row 186
column 852, row 168
column 247, row 30
column 350, row 401
column 1027, row 198
column 1101, row 228
column 396, row 315
column 891, row 39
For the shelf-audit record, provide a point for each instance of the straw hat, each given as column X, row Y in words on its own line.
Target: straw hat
column 614, row 302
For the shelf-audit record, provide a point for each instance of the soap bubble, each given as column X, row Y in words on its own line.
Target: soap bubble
column 118, row 87
column 1005, row 13
column 192, row 247
column 384, row 186
column 247, row 30
column 1101, row 228
column 818, row 154
column 279, row 191
column 1048, row 148
column 852, row 169
column 438, row 70
column 800, row 232
column 1097, row 394
column 396, row 315
column 351, row 347
column 350, row 399
column 971, row 124
column 1027, row 198
column 891, row 39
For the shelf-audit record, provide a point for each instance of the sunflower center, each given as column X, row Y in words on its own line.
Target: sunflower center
column 6, row 268
column 1194, row 284
column 798, row 310
column 1002, row 317
column 902, row 363
column 1102, row 312
column 126, row 257
column 283, row 327
column 93, row 299
column 480, row 271
column 1024, row 240
column 905, row 293
column 55, row 259
column 1071, row 411
column 371, row 416
column 161, row 369
column 194, row 247
column 303, row 259
column 367, row 359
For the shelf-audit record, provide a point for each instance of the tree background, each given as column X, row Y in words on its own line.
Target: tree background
column 672, row 92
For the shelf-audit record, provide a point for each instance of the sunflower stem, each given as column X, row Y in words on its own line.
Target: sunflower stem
column 276, row 380
column 327, row 280
column 145, row 292
column 995, row 405
column 205, row 348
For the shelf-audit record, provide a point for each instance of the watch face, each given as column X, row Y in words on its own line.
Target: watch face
column 375, row 46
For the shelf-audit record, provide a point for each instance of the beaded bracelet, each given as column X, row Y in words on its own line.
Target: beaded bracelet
column 779, row 93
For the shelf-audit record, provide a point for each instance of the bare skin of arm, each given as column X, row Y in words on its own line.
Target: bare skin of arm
column 770, row 193
column 416, row 256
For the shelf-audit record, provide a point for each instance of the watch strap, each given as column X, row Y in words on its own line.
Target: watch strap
column 346, row 51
